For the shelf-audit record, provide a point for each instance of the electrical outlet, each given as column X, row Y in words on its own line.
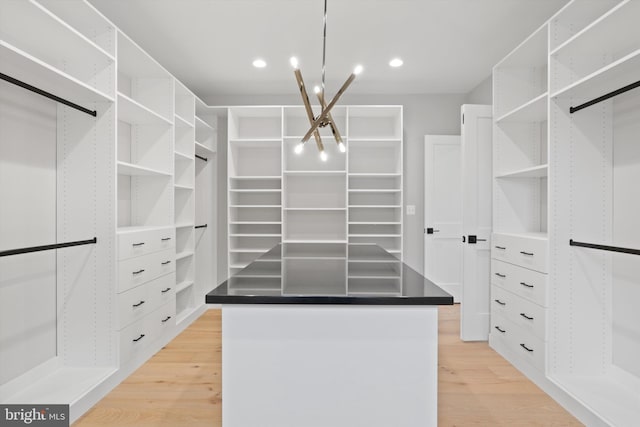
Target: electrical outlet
column 411, row 209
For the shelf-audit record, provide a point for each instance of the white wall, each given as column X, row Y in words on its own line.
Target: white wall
column 481, row 94
column 423, row 114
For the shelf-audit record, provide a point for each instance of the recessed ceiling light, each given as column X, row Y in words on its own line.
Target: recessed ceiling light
column 259, row 63
column 396, row 62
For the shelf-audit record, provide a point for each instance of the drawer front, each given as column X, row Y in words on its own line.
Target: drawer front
column 136, row 271
column 501, row 302
column 135, row 338
column 163, row 290
column 165, row 318
column 141, row 300
column 145, row 242
column 526, row 283
column 525, row 252
column 529, row 317
column 528, row 347
column 500, row 329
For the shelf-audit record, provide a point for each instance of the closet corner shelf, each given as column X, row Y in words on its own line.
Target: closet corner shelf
column 184, row 187
column 183, row 255
column 202, row 124
column 35, row 72
column 132, row 112
column 534, row 110
column 182, row 122
column 203, row 150
column 125, row 168
column 540, row 171
column 182, row 156
column 183, row 285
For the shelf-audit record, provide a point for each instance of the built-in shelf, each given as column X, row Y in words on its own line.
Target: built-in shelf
column 131, row 111
column 375, row 235
column 314, row 173
column 249, row 250
column 315, row 241
column 182, row 255
column 375, row 206
column 540, row 171
column 254, row 235
column 251, row 190
column 183, row 285
column 373, row 223
column 255, row 177
column 255, row 206
column 376, row 190
column 183, row 187
column 534, row 110
column 315, row 209
column 185, row 225
column 125, row 168
column 374, row 175
column 254, row 222
column 202, row 123
column 182, row 156
column 180, row 121
column 203, row 150
column 374, row 140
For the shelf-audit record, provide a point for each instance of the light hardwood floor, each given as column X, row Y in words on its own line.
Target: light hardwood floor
column 180, row 386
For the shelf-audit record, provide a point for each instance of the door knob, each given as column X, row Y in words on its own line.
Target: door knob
column 474, row 239
column 430, row 230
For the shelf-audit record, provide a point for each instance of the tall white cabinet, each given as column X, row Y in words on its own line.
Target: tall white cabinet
column 566, row 187
column 76, row 321
column 276, row 195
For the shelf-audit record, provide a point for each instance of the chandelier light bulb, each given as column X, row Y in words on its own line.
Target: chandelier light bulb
column 298, row 148
column 341, row 147
column 357, row 70
column 294, row 62
column 323, row 156
column 259, row 63
column 316, row 89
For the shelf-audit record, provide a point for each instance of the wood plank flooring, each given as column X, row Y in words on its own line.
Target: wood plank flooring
column 180, row 386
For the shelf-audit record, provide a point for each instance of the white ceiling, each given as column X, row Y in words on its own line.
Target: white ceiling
column 448, row 46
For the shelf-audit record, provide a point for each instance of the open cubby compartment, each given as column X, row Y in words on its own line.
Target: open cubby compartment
column 519, row 146
column 206, row 132
column 375, row 122
column 309, row 159
column 251, row 243
column 184, row 206
column 143, row 80
column 593, row 292
column 145, row 201
column 373, row 182
column 249, row 285
column 184, row 104
column 305, row 191
column 375, row 156
column 376, row 229
column 184, row 139
column 254, row 229
column 520, row 205
column 270, row 214
column 184, row 172
column 375, row 214
column 391, row 244
column 145, row 145
column 255, row 197
column 184, row 270
column 314, row 276
column 255, row 183
column 364, row 270
column 375, row 286
column 611, row 39
column 522, row 75
column 575, row 17
column 255, row 158
column 184, row 239
column 255, row 123
column 315, row 225
column 296, row 122
column 185, row 301
column 375, row 198
column 84, row 17
column 242, row 259
column 58, row 45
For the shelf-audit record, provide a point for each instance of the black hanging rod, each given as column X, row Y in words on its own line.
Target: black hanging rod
column 605, row 247
column 604, row 97
column 46, row 94
column 201, row 226
column 48, row 247
column 201, row 158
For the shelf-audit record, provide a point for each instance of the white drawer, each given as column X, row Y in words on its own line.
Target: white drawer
column 141, row 300
column 501, row 302
column 528, row 347
column 526, row 283
column 529, row 252
column 137, row 243
column 135, row 338
column 529, row 317
column 500, row 329
column 136, row 271
column 165, row 318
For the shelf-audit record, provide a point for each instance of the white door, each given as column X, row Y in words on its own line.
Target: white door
column 476, row 221
column 443, row 213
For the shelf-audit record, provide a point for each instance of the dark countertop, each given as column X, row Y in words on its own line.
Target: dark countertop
column 328, row 273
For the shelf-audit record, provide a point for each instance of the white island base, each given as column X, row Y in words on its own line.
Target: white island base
column 329, row 365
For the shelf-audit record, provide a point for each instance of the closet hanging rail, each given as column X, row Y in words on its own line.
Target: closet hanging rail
column 46, row 94
column 604, row 97
column 605, row 247
column 201, row 158
column 201, row 226
column 47, row 247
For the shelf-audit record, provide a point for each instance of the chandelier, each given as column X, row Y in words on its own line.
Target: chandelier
column 324, row 118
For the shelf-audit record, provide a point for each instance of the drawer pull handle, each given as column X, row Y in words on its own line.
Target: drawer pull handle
column 166, row 319
column 164, row 239
column 530, row 350
column 164, row 291
column 166, row 262
column 526, row 253
column 501, row 330
column 139, row 338
column 500, row 275
column 526, row 285
column 138, row 304
column 138, row 244
column 526, row 317
column 500, row 302
column 139, row 271
column 502, row 248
